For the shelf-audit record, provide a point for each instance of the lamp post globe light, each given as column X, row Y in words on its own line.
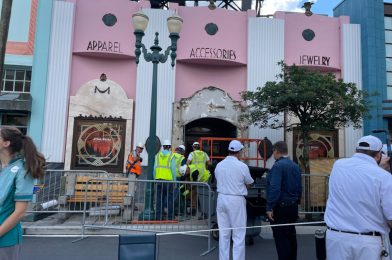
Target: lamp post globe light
column 174, row 24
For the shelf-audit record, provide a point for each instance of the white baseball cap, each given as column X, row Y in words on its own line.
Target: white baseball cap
column 370, row 143
column 235, row 146
column 195, row 143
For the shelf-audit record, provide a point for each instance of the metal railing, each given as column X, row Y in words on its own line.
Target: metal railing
column 63, row 191
column 314, row 193
column 54, row 191
column 149, row 206
column 111, row 201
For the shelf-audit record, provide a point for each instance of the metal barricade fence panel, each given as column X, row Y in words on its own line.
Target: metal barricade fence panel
column 314, row 193
column 61, row 191
column 169, row 206
column 128, row 204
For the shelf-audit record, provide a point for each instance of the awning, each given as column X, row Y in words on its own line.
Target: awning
column 15, row 101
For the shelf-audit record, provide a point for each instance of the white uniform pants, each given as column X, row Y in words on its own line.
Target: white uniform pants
column 344, row 246
column 231, row 213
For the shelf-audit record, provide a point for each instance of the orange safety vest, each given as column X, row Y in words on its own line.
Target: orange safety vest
column 133, row 167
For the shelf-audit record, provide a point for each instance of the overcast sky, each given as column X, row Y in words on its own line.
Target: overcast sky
column 271, row 6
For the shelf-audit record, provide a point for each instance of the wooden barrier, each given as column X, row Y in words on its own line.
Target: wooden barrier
column 99, row 191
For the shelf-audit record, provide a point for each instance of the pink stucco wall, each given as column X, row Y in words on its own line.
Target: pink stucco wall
column 324, row 51
column 89, row 27
column 193, row 77
column 227, row 73
column 231, row 35
column 193, row 73
column 122, row 71
column 98, row 48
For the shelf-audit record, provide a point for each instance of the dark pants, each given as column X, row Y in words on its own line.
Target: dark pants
column 179, row 199
column 165, row 199
column 285, row 237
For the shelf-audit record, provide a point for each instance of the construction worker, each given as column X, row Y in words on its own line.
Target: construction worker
column 189, row 173
column 165, row 173
column 134, row 160
column 180, row 161
column 201, row 160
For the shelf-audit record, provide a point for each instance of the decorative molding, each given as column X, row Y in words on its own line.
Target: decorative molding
column 25, row 48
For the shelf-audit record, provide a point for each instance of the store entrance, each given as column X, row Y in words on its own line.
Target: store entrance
column 209, row 127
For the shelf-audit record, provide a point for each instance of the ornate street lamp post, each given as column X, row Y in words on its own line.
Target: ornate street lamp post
column 174, row 24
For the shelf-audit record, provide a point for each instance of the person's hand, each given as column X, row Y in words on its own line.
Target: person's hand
column 384, row 163
column 270, row 215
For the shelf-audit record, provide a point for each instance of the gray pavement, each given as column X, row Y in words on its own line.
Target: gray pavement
column 169, row 247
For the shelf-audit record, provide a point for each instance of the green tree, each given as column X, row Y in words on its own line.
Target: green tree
column 310, row 100
column 4, row 26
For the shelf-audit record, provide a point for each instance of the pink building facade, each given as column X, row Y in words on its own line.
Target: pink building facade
column 106, row 101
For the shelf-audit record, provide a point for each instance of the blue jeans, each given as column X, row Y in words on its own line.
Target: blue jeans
column 165, row 199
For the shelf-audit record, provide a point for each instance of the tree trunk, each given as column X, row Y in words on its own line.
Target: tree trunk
column 4, row 26
column 306, row 165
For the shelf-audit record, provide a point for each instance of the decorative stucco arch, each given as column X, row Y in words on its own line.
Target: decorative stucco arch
column 99, row 99
column 211, row 102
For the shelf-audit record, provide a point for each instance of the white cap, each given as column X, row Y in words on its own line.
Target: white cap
column 195, row 143
column 235, row 146
column 182, row 170
column 181, row 147
column 370, row 143
column 140, row 145
column 166, row 143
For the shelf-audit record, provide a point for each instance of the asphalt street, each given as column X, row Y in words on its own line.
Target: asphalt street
column 170, row 247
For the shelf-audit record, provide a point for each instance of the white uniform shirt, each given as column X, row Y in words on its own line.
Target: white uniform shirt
column 206, row 155
column 231, row 176
column 360, row 196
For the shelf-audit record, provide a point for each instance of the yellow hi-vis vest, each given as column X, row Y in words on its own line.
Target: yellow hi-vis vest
column 179, row 159
column 192, row 169
column 199, row 159
column 163, row 170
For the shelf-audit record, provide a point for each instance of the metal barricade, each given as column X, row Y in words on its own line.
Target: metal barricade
column 149, row 206
column 314, row 193
column 58, row 190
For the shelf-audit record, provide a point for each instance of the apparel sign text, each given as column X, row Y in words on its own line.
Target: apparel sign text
column 104, row 46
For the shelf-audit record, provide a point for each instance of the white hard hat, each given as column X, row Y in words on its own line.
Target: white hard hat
column 195, row 143
column 182, row 170
column 182, row 147
column 140, row 145
column 166, row 143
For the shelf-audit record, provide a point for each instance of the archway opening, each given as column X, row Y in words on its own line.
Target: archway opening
column 209, row 127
